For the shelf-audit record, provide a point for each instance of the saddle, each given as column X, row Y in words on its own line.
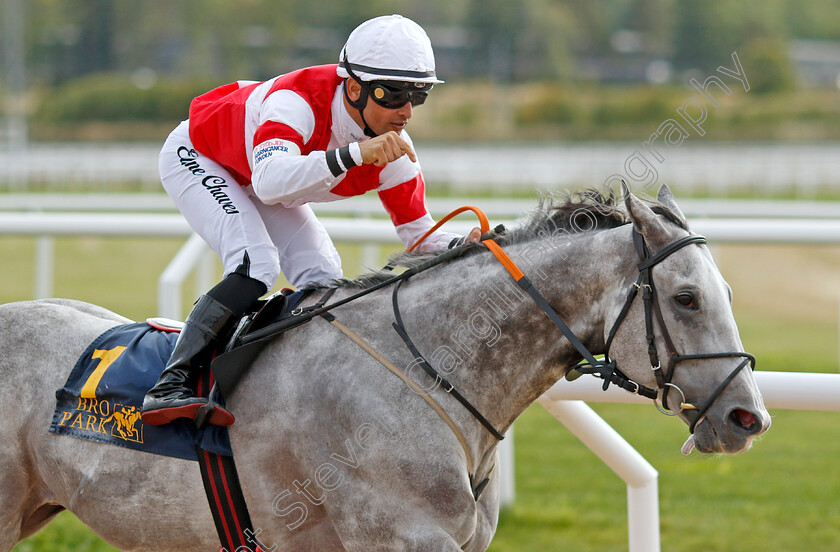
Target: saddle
column 233, row 361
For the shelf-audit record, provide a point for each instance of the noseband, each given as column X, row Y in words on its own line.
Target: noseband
column 652, row 308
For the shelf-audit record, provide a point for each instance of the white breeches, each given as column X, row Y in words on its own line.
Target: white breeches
column 234, row 221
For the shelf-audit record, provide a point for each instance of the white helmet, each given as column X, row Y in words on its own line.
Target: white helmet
column 390, row 47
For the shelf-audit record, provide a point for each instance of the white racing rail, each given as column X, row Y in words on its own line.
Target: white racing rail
column 783, row 390
column 46, row 225
column 494, row 208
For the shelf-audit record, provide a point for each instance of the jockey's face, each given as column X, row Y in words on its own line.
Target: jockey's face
column 379, row 119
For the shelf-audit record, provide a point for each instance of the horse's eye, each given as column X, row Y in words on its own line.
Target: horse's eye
column 686, row 299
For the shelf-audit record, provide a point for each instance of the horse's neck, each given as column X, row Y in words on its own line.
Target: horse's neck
column 510, row 351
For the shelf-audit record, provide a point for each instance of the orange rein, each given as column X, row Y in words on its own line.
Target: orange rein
column 506, row 261
column 494, row 247
column 482, row 219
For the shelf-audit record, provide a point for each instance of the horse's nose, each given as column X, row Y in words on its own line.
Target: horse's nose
column 746, row 421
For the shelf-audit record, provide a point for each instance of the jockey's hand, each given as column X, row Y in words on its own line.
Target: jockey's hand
column 474, row 236
column 384, row 149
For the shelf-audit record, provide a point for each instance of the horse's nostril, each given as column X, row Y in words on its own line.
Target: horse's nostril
column 745, row 420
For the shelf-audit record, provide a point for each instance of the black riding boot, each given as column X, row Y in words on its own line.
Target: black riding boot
column 172, row 396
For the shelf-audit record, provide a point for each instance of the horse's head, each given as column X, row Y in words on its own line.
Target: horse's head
column 704, row 376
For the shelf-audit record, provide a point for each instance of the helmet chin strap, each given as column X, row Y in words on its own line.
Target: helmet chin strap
column 363, row 97
column 360, row 106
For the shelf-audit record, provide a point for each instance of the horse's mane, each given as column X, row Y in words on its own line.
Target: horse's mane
column 568, row 213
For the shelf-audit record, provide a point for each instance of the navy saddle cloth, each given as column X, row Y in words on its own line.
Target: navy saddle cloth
column 102, row 397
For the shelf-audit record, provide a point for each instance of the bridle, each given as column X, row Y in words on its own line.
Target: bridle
column 607, row 368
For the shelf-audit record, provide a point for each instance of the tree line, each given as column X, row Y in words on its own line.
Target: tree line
column 499, row 40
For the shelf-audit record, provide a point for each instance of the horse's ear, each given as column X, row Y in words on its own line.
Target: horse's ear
column 666, row 198
column 645, row 221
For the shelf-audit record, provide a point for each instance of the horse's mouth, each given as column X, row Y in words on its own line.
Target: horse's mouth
column 732, row 434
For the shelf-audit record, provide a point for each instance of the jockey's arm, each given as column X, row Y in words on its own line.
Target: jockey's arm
column 282, row 175
column 285, row 176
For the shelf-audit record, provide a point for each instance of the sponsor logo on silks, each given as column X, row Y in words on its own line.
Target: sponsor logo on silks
column 101, row 416
column 269, row 148
column 214, row 184
column 187, row 158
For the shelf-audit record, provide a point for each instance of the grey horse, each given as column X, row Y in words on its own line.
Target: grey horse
column 334, row 452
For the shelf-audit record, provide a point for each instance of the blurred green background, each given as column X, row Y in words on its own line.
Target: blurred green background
column 532, row 69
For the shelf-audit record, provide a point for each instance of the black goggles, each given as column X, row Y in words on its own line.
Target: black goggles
column 394, row 95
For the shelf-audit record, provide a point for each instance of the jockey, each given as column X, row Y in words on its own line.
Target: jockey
column 250, row 157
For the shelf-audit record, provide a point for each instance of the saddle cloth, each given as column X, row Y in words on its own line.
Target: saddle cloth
column 102, row 397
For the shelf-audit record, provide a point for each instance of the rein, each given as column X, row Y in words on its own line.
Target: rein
column 399, row 327
column 608, row 371
column 364, row 345
column 303, row 315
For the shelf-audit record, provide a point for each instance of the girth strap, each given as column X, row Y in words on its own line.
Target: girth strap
column 227, row 503
column 224, row 495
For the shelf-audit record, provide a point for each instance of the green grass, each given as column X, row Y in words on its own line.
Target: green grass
column 65, row 534
column 778, row 497
column 118, row 274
